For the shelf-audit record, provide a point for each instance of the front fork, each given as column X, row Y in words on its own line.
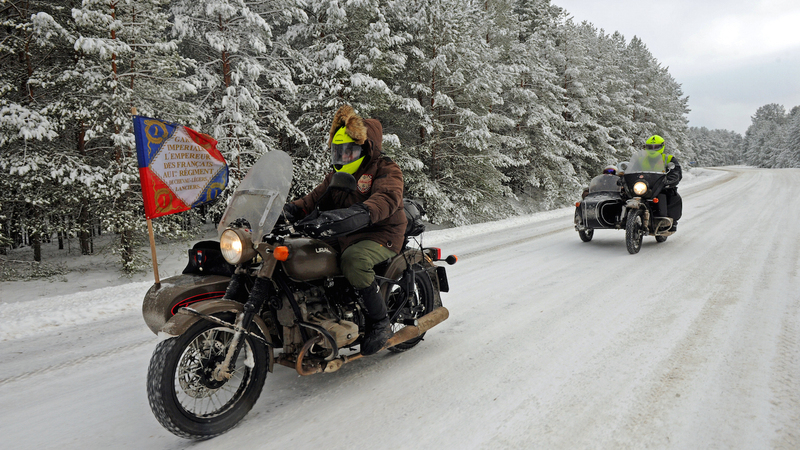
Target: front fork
column 260, row 293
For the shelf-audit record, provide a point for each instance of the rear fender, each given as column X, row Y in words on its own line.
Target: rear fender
column 182, row 321
column 399, row 264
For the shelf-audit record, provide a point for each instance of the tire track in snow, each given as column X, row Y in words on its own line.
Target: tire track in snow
column 718, row 363
column 76, row 362
column 785, row 382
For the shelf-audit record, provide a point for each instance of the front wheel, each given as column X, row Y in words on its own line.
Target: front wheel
column 634, row 231
column 420, row 302
column 586, row 235
column 181, row 389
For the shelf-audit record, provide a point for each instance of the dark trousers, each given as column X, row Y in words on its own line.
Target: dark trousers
column 674, row 204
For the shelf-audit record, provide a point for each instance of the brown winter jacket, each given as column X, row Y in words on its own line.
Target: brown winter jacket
column 380, row 185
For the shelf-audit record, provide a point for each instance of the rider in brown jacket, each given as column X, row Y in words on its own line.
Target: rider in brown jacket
column 369, row 222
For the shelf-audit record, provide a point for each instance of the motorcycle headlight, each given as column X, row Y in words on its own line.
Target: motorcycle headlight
column 639, row 188
column 236, row 246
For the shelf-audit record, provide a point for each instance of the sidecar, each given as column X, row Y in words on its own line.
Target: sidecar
column 205, row 277
column 601, row 207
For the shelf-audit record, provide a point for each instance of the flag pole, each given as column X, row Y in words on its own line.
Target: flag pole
column 153, row 250
column 152, row 236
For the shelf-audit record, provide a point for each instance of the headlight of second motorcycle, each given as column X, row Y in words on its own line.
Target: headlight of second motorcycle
column 639, row 188
column 236, row 246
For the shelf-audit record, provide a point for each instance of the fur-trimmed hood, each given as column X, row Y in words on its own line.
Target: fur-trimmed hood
column 358, row 128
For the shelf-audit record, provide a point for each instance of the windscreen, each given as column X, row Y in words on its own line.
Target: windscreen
column 260, row 197
column 604, row 183
column 646, row 161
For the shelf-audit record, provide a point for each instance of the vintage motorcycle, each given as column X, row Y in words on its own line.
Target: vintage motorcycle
column 265, row 286
column 634, row 201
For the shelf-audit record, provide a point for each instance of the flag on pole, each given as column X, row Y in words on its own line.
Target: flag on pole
column 179, row 168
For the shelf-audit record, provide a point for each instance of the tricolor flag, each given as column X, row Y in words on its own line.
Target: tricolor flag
column 179, row 168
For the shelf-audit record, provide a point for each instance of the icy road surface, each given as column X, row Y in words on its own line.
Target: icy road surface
column 551, row 343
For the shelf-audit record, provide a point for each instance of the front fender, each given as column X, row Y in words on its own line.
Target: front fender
column 633, row 203
column 182, row 321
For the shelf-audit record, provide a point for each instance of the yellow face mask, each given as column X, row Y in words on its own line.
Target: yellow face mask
column 349, row 168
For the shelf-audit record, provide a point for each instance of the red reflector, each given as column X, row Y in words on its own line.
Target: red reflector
column 577, row 204
column 436, row 253
column 655, row 200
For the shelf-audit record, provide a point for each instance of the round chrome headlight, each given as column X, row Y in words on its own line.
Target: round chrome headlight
column 236, row 246
column 639, row 188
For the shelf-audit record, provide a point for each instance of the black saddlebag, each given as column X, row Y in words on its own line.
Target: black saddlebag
column 205, row 258
column 414, row 212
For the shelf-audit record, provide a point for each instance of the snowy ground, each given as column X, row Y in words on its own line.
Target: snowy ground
column 551, row 343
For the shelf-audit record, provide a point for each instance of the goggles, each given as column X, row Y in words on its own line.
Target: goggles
column 610, row 171
column 342, row 154
column 654, row 146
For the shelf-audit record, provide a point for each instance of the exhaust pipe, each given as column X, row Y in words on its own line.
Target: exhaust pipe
column 423, row 324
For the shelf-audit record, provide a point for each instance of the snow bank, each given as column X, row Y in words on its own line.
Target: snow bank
column 44, row 315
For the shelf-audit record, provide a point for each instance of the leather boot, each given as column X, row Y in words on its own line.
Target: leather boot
column 378, row 328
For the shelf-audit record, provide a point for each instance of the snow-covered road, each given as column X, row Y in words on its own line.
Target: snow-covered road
column 551, row 343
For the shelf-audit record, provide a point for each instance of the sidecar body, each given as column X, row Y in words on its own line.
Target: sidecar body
column 603, row 207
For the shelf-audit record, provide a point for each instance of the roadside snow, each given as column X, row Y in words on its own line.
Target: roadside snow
column 43, row 315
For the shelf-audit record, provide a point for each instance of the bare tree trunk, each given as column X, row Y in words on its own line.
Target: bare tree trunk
column 83, row 215
column 36, row 243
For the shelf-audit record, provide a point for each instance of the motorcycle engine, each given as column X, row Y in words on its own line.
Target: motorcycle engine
column 339, row 319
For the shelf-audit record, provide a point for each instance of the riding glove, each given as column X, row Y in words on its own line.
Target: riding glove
column 338, row 222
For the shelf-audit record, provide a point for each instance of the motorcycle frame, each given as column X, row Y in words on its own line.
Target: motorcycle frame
column 263, row 291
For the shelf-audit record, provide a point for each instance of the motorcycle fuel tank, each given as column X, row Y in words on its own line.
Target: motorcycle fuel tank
column 310, row 259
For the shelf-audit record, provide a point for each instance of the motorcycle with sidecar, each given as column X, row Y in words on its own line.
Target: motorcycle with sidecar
column 267, row 293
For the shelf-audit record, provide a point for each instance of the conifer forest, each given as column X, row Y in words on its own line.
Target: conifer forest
column 492, row 108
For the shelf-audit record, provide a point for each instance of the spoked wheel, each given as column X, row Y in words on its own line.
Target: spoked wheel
column 634, row 231
column 420, row 302
column 661, row 238
column 183, row 393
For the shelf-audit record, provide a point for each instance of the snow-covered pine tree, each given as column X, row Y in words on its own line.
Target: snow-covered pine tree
column 453, row 74
column 763, row 139
column 790, row 157
column 349, row 53
column 536, row 102
column 26, row 130
column 243, row 73
column 125, row 59
column 715, row 147
column 659, row 106
column 577, row 43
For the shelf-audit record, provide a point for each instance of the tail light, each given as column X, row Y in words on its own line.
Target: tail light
column 435, row 254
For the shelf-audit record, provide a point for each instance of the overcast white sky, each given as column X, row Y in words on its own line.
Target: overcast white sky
column 730, row 56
